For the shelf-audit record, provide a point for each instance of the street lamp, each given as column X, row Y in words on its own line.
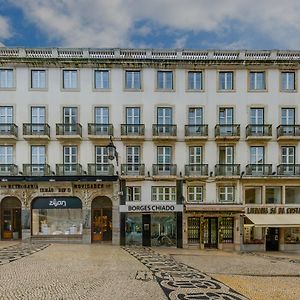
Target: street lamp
column 112, row 152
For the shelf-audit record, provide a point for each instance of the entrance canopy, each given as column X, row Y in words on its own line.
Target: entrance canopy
column 264, row 220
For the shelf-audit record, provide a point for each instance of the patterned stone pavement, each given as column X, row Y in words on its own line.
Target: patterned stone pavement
column 180, row 281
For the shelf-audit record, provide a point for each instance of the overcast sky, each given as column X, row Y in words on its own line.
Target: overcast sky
column 197, row 24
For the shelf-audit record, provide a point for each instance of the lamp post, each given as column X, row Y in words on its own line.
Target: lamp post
column 112, row 152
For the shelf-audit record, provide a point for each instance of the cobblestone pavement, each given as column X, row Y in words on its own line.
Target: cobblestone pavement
column 180, row 281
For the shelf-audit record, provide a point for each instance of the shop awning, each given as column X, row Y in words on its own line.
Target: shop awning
column 264, row 220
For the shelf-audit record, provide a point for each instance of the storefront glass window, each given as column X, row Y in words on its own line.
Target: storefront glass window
column 252, row 235
column 163, row 230
column 226, row 226
column 253, row 195
column 273, row 195
column 292, row 195
column 57, row 221
column 292, row 235
column 134, row 230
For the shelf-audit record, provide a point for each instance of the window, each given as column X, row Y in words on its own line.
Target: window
column 38, row 115
column 164, row 155
column 70, row 159
column 38, row 159
column 226, row 155
column 273, row 195
column 195, row 194
column 133, row 115
column 226, row 194
column 288, row 116
column 38, row 79
column 6, row 78
column 257, row 155
column 227, row 230
column 288, row 81
column 195, row 81
column 252, row 234
column 226, row 120
column 161, row 193
column 6, row 114
column 288, row 155
column 101, row 115
column 195, row 116
column 253, row 195
column 165, row 80
column 292, row 235
column 226, row 81
column 164, row 116
column 6, row 155
column 133, row 193
column 101, row 155
column 195, row 155
column 70, row 79
column 133, row 154
column 256, row 116
column 133, row 80
column 70, row 115
column 292, row 195
column 257, row 81
column 101, row 79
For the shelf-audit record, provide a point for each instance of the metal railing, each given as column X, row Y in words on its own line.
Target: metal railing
column 36, row 169
column 133, row 129
column 69, row 129
column 100, row 129
column 101, row 169
column 68, row 169
column 227, row 130
column 288, row 169
column 288, row 130
column 36, row 129
column 196, row 170
column 227, row 169
column 164, row 169
column 196, row 130
column 259, row 169
column 164, row 130
column 259, row 130
column 133, row 169
column 8, row 129
column 8, row 169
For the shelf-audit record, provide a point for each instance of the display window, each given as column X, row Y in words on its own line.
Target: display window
column 252, row 234
column 163, row 230
column 134, row 230
column 292, row 235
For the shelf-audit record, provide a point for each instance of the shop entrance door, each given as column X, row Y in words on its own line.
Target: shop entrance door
column 272, row 239
column 146, row 230
column 210, row 232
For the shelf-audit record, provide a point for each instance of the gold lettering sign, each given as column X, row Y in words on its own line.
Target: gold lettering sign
column 273, row 210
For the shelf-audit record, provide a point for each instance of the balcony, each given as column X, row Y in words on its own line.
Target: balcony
column 8, row 131
column 196, row 170
column 8, row 170
column 36, row 170
column 288, row 132
column 101, row 169
column 259, row 170
column 132, row 131
column 288, row 170
column 68, row 169
column 227, row 132
column 164, row 132
column 100, row 131
column 164, row 170
column 196, row 132
column 133, row 170
column 36, row 131
column 68, row 131
column 227, row 170
column 258, row 132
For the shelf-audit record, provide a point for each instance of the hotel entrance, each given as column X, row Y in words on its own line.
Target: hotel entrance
column 210, row 232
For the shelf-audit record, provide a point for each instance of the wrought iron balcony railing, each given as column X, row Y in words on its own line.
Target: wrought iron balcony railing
column 288, row 169
column 68, row 169
column 227, row 130
column 69, row 129
column 132, row 129
column 288, row 130
column 100, row 129
column 101, row 169
column 36, row 170
column 259, row 169
column 8, row 129
column 8, row 170
column 133, row 169
column 164, row 170
column 227, row 170
column 259, row 130
column 164, row 130
column 196, row 130
column 36, row 129
column 196, row 170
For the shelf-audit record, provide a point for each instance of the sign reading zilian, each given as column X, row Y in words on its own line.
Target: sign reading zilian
column 273, row 210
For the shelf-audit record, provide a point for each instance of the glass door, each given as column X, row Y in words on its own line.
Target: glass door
column 210, row 232
column 70, row 120
column 38, row 159
column 38, row 119
column 101, row 224
column 226, row 120
column 164, row 119
column 257, row 118
column 101, row 120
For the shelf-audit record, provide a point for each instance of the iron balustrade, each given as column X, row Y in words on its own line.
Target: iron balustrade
column 259, row 169
column 288, row 130
column 101, row 169
column 36, row 170
column 227, row 169
column 133, row 169
column 259, row 130
column 68, row 169
column 288, row 169
column 100, row 129
column 164, row 130
column 8, row 169
column 196, row 130
column 8, row 129
column 36, row 129
column 196, row 170
column 133, row 129
column 69, row 129
column 227, row 130
column 164, row 169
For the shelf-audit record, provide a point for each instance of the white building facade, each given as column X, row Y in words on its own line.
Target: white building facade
column 206, row 142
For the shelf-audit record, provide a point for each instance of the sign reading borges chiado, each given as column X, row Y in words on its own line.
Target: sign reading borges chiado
column 151, row 208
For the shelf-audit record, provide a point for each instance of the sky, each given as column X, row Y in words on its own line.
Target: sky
column 192, row 24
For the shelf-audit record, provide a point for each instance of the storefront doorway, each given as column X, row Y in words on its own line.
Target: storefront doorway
column 11, row 218
column 210, row 232
column 272, row 239
column 101, row 220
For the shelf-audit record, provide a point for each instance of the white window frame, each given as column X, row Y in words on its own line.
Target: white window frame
column 72, row 82
column 163, row 193
column 193, row 82
column 41, row 80
column 226, row 190
column 131, row 81
column 166, row 84
column 7, row 114
column 7, row 156
column 195, row 194
column 228, row 81
column 254, row 81
column 287, row 84
column 7, row 79
column 104, row 84
column 133, row 194
column 101, row 114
